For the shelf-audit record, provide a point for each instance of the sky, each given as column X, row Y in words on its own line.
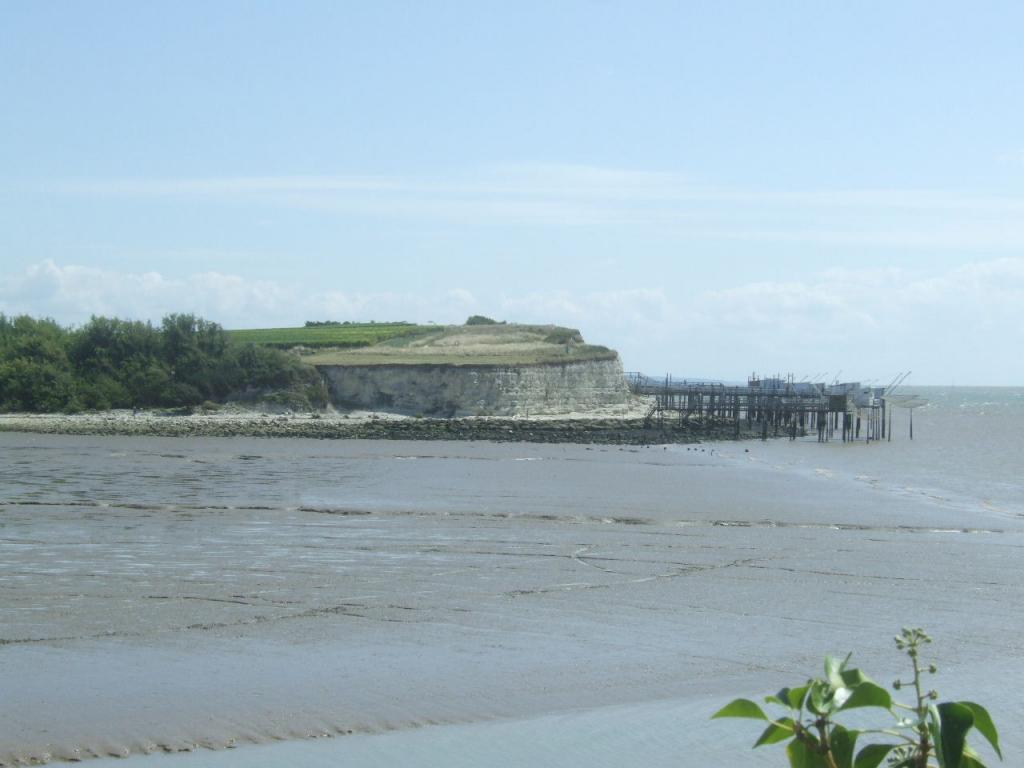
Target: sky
column 828, row 189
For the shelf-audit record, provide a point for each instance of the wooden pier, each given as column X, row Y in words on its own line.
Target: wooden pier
column 775, row 407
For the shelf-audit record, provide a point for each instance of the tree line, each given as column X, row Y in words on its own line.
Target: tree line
column 112, row 363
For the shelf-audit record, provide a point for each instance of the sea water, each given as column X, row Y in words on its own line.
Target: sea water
column 967, row 449
column 469, row 603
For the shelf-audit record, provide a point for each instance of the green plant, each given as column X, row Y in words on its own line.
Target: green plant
column 482, row 320
column 928, row 733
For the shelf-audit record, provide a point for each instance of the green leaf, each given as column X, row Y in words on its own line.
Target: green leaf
column 872, row 755
column 839, row 697
column 853, row 677
column 983, row 722
column 797, row 696
column 818, row 700
column 833, row 670
column 781, row 698
column 802, row 755
column 971, row 759
column 935, row 729
column 741, row 708
column 788, row 697
column 843, row 743
column 775, row 732
column 868, row 694
column 955, row 721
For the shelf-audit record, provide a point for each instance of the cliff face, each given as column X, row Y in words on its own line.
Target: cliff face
column 467, row 390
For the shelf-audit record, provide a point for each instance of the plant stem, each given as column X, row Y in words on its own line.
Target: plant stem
column 825, row 747
column 924, row 743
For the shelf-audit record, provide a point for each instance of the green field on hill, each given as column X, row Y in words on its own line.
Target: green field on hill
column 350, row 336
column 539, row 356
column 409, row 344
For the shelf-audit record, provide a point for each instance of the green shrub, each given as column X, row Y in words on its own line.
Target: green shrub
column 923, row 731
column 482, row 320
column 103, row 392
column 111, row 363
column 28, row 384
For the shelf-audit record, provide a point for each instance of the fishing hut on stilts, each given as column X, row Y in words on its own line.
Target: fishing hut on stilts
column 776, row 406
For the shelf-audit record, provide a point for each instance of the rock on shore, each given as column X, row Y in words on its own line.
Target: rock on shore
column 627, row 430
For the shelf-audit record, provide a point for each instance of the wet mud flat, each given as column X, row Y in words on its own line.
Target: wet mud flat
column 164, row 594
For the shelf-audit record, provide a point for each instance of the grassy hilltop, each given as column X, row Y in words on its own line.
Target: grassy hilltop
column 329, row 335
column 496, row 344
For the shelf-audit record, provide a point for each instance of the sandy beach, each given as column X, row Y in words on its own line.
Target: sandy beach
column 162, row 594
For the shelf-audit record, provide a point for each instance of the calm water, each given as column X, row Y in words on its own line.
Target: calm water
column 968, row 448
column 970, row 440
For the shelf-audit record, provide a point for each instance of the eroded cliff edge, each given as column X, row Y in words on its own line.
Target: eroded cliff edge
column 449, row 390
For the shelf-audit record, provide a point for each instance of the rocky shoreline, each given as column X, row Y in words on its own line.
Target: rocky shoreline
column 577, row 429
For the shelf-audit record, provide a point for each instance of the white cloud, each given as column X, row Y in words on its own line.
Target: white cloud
column 72, row 293
column 640, row 307
column 959, row 324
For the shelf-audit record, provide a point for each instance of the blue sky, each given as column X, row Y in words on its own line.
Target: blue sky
column 711, row 188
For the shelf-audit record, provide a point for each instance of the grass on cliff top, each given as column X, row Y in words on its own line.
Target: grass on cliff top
column 493, row 345
column 350, row 336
